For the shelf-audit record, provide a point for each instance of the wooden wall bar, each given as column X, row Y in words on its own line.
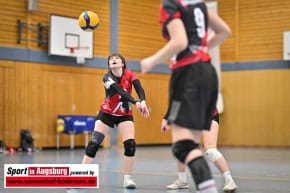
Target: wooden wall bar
column 257, row 27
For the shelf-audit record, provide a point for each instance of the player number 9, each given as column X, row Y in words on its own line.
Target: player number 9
column 199, row 20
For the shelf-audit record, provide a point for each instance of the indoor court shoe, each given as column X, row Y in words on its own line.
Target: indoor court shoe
column 230, row 186
column 177, row 184
column 129, row 183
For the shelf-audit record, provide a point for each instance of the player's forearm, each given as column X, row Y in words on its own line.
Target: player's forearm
column 123, row 93
column 216, row 40
column 139, row 89
column 220, row 28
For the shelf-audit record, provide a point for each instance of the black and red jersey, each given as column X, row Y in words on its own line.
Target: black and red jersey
column 194, row 15
column 216, row 112
column 116, row 102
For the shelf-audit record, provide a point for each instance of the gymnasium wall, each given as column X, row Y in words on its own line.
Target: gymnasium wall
column 139, row 29
column 32, row 92
column 254, row 78
column 257, row 28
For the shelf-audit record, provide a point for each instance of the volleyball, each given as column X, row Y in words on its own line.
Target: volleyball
column 88, row 21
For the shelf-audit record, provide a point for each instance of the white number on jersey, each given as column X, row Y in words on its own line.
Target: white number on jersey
column 199, row 20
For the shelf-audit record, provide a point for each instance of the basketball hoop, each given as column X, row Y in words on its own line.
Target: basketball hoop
column 80, row 54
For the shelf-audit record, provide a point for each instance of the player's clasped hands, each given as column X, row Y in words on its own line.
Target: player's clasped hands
column 143, row 109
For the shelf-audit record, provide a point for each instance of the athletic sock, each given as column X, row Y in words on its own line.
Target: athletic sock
column 201, row 174
column 207, row 187
column 227, row 175
column 182, row 176
column 126, row 177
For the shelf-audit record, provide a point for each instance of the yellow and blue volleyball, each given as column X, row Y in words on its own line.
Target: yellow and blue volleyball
column 88, row 21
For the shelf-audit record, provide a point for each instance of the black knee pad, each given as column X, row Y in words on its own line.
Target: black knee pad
column 129, row 147
column 97, row 137
column 182, row 148
column 92, row 149
column 200, row 171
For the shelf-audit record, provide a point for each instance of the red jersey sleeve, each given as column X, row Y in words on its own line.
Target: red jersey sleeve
column 133, row 75
column 168, row 11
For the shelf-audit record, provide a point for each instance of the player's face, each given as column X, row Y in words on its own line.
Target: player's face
column 115, row 62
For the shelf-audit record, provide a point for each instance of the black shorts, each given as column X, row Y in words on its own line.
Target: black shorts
column 193, row 96
column 112, row 120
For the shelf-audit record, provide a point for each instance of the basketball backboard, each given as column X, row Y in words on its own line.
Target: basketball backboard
column 67, row 39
